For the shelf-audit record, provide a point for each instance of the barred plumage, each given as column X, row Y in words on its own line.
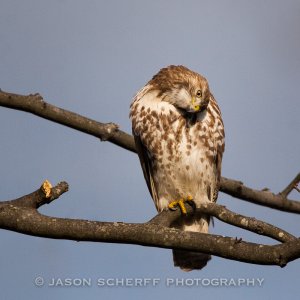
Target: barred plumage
column 179, row 135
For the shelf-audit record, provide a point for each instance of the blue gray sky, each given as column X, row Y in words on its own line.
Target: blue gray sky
column 91, row 57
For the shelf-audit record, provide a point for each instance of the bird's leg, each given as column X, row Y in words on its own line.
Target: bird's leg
column 174, row 204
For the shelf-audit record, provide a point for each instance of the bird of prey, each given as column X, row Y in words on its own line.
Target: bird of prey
column 179, row 136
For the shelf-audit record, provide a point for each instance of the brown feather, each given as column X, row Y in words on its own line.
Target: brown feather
column 180, row 148
column 146, row 167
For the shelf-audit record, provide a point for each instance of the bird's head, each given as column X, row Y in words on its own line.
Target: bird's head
column 185, row 89
column 191, row 98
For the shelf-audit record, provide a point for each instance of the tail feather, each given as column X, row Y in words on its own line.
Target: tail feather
column 189, row 260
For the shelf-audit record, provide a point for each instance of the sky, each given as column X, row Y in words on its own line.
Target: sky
column 91, row 57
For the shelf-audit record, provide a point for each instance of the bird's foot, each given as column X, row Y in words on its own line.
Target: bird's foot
column 174, row 204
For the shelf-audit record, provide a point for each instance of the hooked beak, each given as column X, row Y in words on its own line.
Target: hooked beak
column 195, row 107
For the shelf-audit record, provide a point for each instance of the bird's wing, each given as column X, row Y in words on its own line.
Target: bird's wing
column 146, row 166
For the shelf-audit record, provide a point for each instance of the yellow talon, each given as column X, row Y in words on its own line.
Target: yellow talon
column 189, row 198
column 180, row 203
column 182, row 207
column 46, row 188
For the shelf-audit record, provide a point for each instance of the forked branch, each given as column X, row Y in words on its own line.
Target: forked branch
column 21, row 215
column 35, row 104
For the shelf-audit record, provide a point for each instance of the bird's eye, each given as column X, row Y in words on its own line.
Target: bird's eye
column 199, row 94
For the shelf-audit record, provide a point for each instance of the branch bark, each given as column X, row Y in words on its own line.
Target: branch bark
column 265, row 197
column 35, row 104
column 220, row 212
column 21, row 215
column 293, row 185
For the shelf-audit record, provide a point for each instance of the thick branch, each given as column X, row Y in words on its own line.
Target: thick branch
column 36, row 105
column 22, row 216
column 110, row 132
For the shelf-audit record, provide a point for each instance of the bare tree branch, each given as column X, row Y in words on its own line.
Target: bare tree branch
column 21, row 216
column 166, row 218
column 291, row 186
column 35, row 104
column 38, row 198
column 265, row 197
column 110, row 132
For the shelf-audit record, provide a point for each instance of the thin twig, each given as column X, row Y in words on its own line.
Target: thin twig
column 293, row 185
column 38, row 198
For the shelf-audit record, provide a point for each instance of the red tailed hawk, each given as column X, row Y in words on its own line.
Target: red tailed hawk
column 179, row 135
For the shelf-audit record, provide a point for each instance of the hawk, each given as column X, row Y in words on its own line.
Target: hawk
column 179, row 136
